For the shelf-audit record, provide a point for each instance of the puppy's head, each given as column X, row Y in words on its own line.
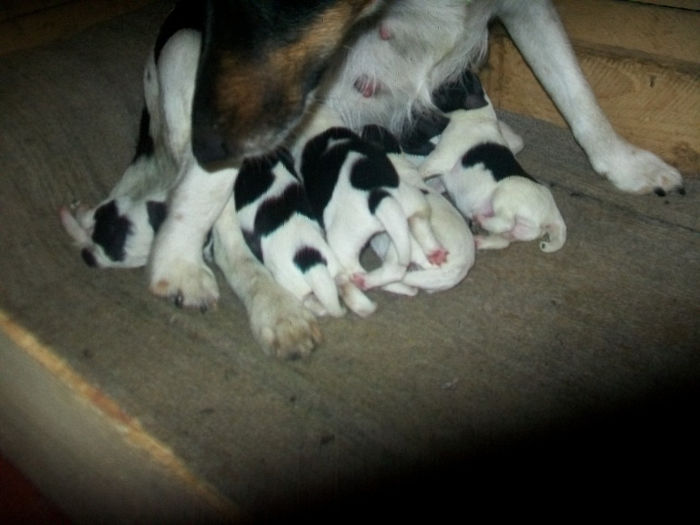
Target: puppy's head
column 463, row 93
column 115, row 234
column 260, row 61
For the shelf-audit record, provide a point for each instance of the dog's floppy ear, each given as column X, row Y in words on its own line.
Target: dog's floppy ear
column 260, row 60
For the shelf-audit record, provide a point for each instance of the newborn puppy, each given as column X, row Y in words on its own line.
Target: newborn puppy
column 117, row 233
column 446, row 223
column 412, row 195
column 482, row 176
column 279, row 228
column 355, row 193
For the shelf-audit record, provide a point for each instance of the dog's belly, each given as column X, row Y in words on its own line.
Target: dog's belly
column 393, row 66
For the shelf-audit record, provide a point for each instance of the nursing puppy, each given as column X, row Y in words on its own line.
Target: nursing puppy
column 348, row 184
column 116, row 234
column 277, row 223
column 482, row 176
column 355, row 193
column 446, row 223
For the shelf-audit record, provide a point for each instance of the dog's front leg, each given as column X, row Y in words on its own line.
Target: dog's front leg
column 177, row 269
column 537, row 31
column 280, row 323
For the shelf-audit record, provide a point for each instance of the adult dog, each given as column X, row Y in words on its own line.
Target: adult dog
column 233, row 78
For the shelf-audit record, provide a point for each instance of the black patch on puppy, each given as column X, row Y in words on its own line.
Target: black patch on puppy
column 253, row 180
column 464, row 93
column 321, row 169
column 111, row 231
column 307, row 257
column 253, row 242
column 425, row 127
column 274, row 212
column 89, row 258
column 496, row 158
column 370, row 173
column 157, row 211
column 382, row 137
column 375, row 198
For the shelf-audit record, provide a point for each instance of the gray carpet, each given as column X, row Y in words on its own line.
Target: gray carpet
column 579, row 361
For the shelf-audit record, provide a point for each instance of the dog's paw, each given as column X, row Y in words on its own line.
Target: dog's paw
column 282, row 325
column 635, row 170
column 188, row 283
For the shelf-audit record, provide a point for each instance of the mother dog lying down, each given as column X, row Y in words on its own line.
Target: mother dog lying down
column 232, row 78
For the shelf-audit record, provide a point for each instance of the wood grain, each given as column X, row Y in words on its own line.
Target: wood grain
column 649, row 87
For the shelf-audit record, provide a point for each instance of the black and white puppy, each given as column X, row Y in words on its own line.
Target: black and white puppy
column 482, row 176
column 117, row 233
column 446, row 223
column 276, row 220
column 355, row 193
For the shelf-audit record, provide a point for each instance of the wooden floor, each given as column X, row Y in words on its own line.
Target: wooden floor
column 198, row 411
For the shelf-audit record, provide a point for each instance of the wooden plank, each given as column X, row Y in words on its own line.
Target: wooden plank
column 653, row 106
column 645, row 74
column 683, row 4
column 82, row 450
column 64, row 19
column 12, row 8
column 668, row 34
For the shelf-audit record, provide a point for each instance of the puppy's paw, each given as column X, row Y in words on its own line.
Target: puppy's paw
column 635, row 170
column 438, row 257
column 282, row 325
column 359, row 279
column 188, row 283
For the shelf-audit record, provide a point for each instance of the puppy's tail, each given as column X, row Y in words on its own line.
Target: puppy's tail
column 555, row 235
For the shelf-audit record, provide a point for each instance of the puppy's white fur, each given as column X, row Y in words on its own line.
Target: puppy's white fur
column 515, row 208
column 347, row 219
column 80, row 225
column 454, row 235
column 314, row 286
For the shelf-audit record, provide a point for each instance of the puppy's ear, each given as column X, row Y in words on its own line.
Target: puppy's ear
column 259, row 63
column 475, row 91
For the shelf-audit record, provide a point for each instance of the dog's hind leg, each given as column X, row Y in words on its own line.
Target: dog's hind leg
column 537, row 31
column 280, row 324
